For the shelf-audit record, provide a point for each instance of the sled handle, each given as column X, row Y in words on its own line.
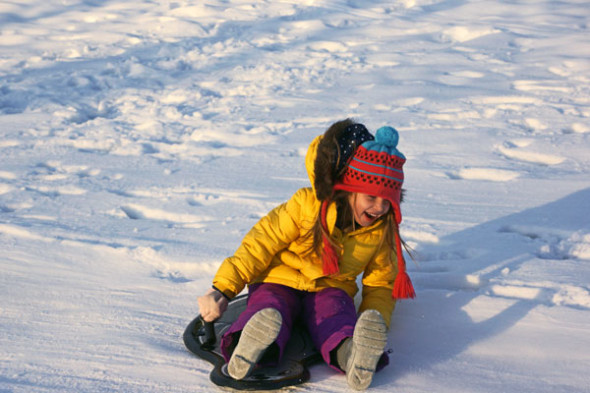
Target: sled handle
column 209, row 338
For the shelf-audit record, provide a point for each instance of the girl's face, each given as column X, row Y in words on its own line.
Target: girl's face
column 367, row 208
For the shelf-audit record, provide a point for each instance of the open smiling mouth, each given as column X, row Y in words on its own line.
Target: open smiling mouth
column 372, row 216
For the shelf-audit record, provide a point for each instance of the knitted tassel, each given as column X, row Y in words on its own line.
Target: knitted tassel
column 402, row 287
column 329, row 255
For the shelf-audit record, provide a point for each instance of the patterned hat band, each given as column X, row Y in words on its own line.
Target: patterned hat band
column 377, row 173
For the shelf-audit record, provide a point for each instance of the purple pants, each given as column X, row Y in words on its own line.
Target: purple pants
column 329, row 316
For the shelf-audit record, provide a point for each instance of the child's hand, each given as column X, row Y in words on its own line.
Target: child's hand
column 212, row 305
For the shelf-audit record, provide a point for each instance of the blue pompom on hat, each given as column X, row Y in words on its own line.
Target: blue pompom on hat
column 386, row 140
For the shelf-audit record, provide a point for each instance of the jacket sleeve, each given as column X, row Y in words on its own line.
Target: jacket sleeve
column 273, row 233
column 378, row 281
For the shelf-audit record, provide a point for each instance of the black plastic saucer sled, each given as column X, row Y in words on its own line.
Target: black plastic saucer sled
column 202, row 339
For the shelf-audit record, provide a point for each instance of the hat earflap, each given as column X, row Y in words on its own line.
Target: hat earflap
column 402, row 286
column 330, row 257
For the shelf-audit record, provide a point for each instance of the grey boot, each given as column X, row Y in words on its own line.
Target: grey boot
column 260, row 331
column 367, row 345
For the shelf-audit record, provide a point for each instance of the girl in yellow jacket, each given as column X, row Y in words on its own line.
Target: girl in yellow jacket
column 303, row 258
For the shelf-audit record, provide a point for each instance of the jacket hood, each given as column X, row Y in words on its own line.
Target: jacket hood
column 329, row 154
column 312, row 152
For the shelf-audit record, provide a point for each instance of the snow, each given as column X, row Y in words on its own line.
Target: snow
column 141, row 140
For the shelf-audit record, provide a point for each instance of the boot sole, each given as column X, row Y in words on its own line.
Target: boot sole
column 260, row 331
column 368, row 342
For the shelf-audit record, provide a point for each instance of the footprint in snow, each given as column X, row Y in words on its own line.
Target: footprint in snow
column 518, row 150
column 4, row 187
column 56, row 170
column 554, row 244
column 54, row 192
column 173, row 276
column 185, row 220
column 578, row 128
column 9, row 143
column 487, row 174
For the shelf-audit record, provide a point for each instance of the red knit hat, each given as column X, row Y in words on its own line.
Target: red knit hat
column 377, row 169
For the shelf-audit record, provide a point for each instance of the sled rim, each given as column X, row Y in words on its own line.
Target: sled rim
column 218, row 374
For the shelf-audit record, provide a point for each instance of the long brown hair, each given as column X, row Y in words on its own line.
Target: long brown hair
column 344, row 213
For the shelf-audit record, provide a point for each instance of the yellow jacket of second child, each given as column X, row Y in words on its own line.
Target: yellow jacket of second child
column 277, row 250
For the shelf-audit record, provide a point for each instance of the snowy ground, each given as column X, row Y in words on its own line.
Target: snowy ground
column 141, row 139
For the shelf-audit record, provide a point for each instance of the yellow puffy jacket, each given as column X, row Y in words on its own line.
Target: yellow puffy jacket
column 276, row 249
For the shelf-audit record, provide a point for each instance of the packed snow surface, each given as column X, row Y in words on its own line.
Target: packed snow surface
column 140, row 140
